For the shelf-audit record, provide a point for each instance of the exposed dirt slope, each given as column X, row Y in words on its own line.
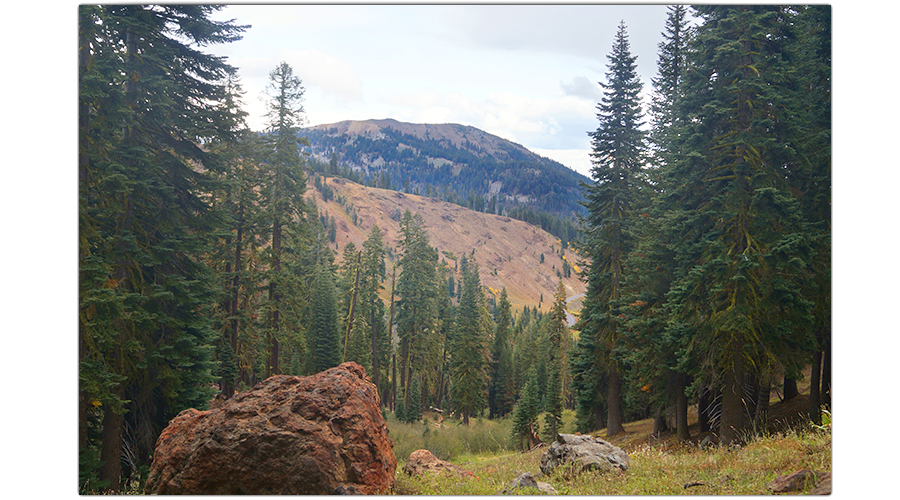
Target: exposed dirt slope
column 508, row 251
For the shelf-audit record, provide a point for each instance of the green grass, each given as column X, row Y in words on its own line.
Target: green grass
column 658, row 467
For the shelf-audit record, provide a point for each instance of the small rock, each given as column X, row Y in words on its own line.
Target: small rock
column 792, row 482
column 422, row 461
column 527, row 480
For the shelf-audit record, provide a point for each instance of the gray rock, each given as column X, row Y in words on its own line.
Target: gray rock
column 586, row 452
column 527, row 480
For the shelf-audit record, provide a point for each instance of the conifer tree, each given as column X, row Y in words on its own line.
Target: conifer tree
column 527, row 410
column 283, row 186
column 738, row 234
column 417, row 288
column 618, row 158
column 146, row 295
column 501, row 395
column 324, row 321
column 468, row 350
column 651, row 345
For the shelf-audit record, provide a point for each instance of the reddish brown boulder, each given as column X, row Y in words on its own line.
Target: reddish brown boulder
column 288, row 435
column 422, row 461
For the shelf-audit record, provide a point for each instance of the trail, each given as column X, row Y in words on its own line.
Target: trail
column 570, row 318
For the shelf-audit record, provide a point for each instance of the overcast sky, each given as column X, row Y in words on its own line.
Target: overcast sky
column 527, row 73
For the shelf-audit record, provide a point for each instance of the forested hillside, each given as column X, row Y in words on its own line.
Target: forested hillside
column 523, row 259
column 455, row 163
column 212, row 256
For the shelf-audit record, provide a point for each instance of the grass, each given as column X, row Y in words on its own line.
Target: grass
column 658, row 466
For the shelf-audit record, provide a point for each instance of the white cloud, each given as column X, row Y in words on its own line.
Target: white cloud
column 328, row 73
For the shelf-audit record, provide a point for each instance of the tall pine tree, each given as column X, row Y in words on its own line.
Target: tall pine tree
column 618, row 158
column 740, row 240
column 145, row 346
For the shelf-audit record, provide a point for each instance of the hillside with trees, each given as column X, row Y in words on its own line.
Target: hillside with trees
column 211, row 256
column 454, row 163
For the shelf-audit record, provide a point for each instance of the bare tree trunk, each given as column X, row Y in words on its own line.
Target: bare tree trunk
column 731, row 421
column 111, row 447
column 790, row 388
column 814, row 382
column 272, row 365
column 681, row 407
column 614, row 404
column 704, row 404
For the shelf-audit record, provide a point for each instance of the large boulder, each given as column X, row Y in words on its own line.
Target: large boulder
column 288, row 435
column 423, row 461
column 585, row 452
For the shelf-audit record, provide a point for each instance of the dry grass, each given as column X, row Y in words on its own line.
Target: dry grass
column 659, row 466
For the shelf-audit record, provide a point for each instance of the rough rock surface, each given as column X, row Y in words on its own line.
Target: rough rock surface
column 800, row 480
column 422, row 461
column 288, row 435
column 527, row 480
column 587, row 452
column 823, row 486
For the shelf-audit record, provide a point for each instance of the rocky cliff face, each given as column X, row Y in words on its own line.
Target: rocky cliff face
column 288, row 435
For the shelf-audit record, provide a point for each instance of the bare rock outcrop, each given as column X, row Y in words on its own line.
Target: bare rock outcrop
column 585, row 452
column 288, row 435
column 423, row 461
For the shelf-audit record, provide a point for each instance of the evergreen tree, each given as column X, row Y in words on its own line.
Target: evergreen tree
column 501, row 394
column 146, row 296
column 618, row 151
column 553, row 402
column 283, row 186
column 652, row 346
column 372, row 307
column 739, row 237
column 527, row 410
column 324, row 320
column 417, row 287
column 468, row 358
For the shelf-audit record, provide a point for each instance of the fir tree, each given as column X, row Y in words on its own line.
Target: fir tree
column 468, row 359
column 739, row 236
column 146, row 296
column 324, row 320
column 527, row 410
column 501, row 393
column 618, row 158
column 283, row 186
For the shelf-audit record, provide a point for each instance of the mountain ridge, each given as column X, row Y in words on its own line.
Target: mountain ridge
column 457, row 163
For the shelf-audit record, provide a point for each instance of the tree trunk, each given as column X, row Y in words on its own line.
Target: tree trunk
column 815, row 414
column 704, row 404
column 761, row 416
column 272, row 368
column 111, row 447
column 790, row 388
column 731, row 421
column 659, row 421
column 681, row 407
column 614, row 404
column 825, row 393
column 353, row 310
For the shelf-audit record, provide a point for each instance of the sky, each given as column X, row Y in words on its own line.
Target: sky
column 526, row 73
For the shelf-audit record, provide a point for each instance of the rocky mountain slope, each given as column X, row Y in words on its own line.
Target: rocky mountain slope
column 524, row 259
column 453, row 162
